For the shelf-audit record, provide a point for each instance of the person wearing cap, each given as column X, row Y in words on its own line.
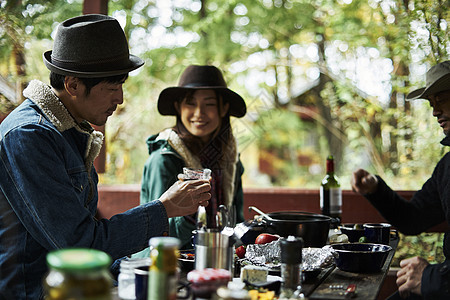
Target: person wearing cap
column 48, row 184
column 430, row 206
column 202, row 137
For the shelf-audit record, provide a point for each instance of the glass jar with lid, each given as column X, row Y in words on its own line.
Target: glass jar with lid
column 126, row 278
column 78, row 273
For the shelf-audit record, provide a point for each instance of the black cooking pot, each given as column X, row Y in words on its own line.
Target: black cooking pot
column 312, row 228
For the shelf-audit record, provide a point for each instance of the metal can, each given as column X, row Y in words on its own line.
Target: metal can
column 78, row 273
column 163, row 274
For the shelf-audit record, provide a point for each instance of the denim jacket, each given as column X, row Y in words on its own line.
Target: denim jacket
column 48, row 195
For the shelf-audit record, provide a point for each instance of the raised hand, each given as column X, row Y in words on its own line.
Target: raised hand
column 184, row 197
column 363, row 182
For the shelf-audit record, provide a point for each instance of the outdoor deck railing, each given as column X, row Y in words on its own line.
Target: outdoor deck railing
column 118, row 198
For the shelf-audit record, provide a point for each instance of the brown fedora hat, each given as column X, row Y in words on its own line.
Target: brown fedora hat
column 91, row 46
column 200, row 77
column 437, row 80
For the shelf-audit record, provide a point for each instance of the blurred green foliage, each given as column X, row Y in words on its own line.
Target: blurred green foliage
column 426, row 245
column 282, row 62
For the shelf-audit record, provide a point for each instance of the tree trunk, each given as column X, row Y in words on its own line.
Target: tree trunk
column 335, row 144
column 19, row 62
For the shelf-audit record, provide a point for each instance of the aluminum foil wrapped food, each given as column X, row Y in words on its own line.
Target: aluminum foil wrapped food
column 317, row 258
column 269, row 255
column 264, row 254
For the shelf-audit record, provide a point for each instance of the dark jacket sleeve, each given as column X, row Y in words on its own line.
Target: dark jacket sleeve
column 436, row 281
column 412, row 217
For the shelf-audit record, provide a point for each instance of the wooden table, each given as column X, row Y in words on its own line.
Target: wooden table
column 368, row 285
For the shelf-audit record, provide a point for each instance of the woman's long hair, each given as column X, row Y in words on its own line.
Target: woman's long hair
column 210, row 153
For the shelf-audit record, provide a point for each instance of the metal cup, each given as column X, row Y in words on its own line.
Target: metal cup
column 378, row 233
column 214, row 249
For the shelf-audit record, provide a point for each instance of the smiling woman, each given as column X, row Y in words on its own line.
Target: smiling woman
column 201, row 138
column 201, row 112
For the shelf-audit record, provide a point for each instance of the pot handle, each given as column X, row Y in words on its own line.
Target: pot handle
column 393, row 234
column 265, row 216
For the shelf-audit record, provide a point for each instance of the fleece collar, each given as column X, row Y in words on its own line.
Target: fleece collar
column 228, row 162
column 42, row 95
column 178, row 145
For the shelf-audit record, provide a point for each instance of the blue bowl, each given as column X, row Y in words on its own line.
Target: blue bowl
column 361, row 257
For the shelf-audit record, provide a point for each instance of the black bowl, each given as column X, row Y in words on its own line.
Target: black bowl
column 361, row 257
column 311, row 227
column 354, row 234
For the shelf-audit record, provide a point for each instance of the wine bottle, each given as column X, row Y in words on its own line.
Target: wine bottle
column 330, row 193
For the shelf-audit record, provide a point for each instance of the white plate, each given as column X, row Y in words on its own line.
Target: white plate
column 270, row 278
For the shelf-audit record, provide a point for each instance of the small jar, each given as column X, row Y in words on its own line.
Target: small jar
column 163, row 273
column 126, row 285
column 205, row 282
column 78, row 274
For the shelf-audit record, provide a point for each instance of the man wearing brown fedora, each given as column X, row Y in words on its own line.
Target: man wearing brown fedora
column 430, row 206
column 48, row 184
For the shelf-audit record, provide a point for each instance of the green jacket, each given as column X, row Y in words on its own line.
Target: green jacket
column 160, row 172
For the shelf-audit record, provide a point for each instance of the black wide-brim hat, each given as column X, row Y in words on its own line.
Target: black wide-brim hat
column 437, row 80
column 91, row 46
column 200, row 77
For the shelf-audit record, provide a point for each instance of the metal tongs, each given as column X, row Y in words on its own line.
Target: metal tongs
column 224, row 218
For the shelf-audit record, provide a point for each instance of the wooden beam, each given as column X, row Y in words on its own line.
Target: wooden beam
column 95, row 7
column 100, row 161
column 98, row 7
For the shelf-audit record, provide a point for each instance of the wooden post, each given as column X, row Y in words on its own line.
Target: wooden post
column 95, row 7
column 100, row 161
column 98, row 7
